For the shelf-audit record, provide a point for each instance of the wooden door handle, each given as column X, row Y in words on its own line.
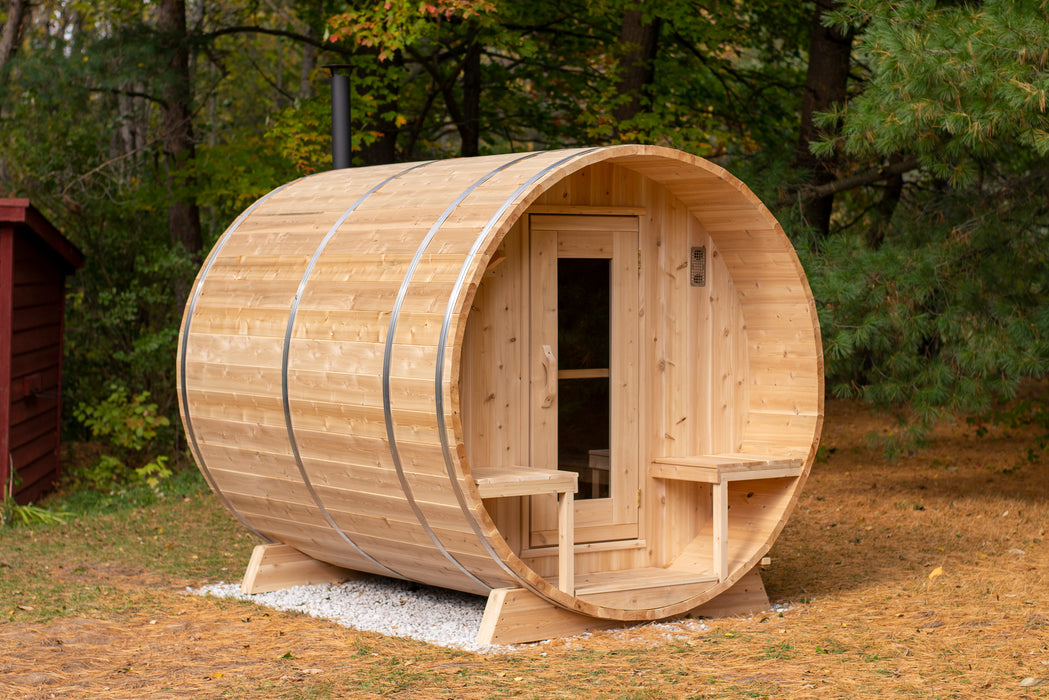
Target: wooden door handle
column 550, row 368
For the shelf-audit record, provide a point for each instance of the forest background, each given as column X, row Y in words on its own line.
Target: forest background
column 903, row 145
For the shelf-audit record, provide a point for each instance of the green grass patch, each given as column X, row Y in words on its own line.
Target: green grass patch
column 180, row 536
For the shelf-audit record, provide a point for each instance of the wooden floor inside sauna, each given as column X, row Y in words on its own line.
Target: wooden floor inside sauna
column 640, row 587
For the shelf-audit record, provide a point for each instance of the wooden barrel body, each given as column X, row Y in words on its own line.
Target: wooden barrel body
column 361, row 343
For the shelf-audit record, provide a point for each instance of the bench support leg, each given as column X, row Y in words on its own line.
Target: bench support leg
column 720, row 517
column 566, row 542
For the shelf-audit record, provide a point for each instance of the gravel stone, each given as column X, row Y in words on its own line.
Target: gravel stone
column 374, row 604
column 401, row 609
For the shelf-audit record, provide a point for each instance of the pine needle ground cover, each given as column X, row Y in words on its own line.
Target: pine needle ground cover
column 928, row 577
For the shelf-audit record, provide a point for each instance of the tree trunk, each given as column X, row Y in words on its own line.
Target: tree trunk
column 640, row 44
column 470, row 128
column 312, row 17
column 18, row 12
column 883, row 212
column 309, row 63
column 176, row 124
column 467, row 114
column 384, row 148
column 826, row 84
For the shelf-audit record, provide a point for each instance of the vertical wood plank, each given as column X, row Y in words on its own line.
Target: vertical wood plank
column 720, row 517
column 6, row 312
column 495, row 393
column 602, row 184
column 728, row 357
column 543, row 325
column 683, row 348
column 625, row 373
column 566, row 542
column 653, row 384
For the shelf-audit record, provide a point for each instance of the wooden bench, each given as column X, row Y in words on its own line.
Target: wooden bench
column 719, row 470
column 504, row 482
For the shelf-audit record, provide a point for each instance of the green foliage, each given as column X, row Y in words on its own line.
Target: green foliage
column 128, row 426
column 12, row 513
column 230, row 176
column 952, row 83
column 154, row 472
column 942, row 311
column 946, row 312
column 939, row 321
column 122, row 320
column 86, row 149
column 182, row 484
column 302, row 134
column 397, row 24
column 550, row 73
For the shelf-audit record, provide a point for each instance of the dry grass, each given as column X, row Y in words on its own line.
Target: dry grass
column 925, row 578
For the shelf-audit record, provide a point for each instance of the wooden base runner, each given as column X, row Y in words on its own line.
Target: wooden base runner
column 515, row 616
column 512, row 615
column 747, row 597
column 276, row 566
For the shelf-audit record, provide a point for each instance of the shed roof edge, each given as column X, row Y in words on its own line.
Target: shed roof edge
column 20, row 212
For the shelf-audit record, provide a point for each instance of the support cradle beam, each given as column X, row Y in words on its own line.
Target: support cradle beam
column 515, row 616
column 277, row 566
column 511, row 616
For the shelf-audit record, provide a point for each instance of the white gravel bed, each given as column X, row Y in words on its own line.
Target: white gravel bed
column 388, row 606
column 400, row 609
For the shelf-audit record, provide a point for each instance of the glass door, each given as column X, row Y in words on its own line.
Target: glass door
column 584, row 370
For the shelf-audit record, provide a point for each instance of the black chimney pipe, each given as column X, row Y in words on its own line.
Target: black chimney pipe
column 340, row 115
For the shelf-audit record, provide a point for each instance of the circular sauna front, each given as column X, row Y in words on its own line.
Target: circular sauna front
column 594, row 374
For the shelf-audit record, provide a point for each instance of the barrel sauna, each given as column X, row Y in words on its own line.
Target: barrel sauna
column 592, row 376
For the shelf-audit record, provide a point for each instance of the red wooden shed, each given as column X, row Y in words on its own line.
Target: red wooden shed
column 34, row 261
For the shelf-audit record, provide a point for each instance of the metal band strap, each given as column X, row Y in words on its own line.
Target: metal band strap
column 285, row 360
column 394, row 318
column 190, row 309
column 445, row 327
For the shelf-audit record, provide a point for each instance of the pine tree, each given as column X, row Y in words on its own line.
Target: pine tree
column 946, row 309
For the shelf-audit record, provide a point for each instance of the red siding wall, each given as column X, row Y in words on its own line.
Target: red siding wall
column 34, row 259
column 36, row 356
column 7, row 256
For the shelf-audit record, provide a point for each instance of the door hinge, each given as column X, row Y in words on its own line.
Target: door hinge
column 639, row 499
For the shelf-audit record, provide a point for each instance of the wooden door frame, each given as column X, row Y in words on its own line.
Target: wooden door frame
column 616, row 238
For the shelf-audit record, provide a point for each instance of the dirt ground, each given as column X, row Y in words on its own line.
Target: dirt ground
column 928, row 577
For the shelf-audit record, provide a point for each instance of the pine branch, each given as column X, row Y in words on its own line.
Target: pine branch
column 808, row 193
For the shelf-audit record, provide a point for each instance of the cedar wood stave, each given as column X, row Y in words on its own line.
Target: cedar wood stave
column 321, row 359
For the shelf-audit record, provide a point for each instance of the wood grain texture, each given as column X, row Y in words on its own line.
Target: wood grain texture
column 361, row 341
column 274, row 567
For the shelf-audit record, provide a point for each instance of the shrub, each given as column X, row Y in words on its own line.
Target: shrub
column 127, row 426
